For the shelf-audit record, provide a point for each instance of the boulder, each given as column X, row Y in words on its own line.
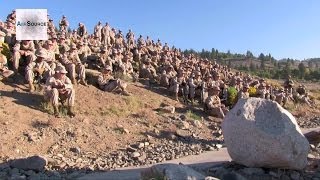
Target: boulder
column 260, row 133
column 171, row 171
column 35, row 163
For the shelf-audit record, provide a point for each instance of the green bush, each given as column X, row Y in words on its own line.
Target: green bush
column 232, row 96
column 6, row 51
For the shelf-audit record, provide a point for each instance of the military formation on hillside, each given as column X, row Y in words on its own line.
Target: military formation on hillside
column 61, row 62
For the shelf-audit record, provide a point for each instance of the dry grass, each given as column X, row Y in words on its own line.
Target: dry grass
column 130, row 106
column 192, row 115
column 47, row 107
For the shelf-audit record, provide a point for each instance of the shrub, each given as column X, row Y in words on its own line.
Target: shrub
column 6, row 51
column 252, row 91
column 192, row 115
column 232, row 96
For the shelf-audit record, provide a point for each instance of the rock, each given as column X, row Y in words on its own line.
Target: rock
column 74, row 175
column 252, row 171
column 274, row 174
column 168, row 109
column 183, row 117
column 210, row 178
column 260, row 133
column 168, row 135
column 232, row 176
column 14, row 171
column 311, row 156
column 218, row 146
column 197, row 123
column 75, row 150
column 126, row 131
column 131, row 149
column 183, row 133
column 219, row 171
column 184, row 125
column 29, row 173
column 35, row 177
column 135, row 154
column 32, row 136
column 285, row 177
column 36, row 163
column 210, row 148
column 294, row 175
column 140, row 145
column 172, row 172
column 18, row 177
column 142, row 157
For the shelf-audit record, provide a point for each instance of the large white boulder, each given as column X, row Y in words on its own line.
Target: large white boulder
column 260, row 133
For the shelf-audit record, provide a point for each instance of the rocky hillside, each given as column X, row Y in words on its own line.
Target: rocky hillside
column 109, row 131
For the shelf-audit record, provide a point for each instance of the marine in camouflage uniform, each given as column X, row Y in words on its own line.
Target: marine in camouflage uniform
column 108, row 83
column 72, row 62
column 59, row 88
column 24, row 51
column 213, row 104
column 37, row 69
column 64, row 24
column 4, row 71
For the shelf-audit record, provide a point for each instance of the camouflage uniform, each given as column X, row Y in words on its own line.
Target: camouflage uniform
column 50, row 56
column 213, row 104
column 84, row 51
column 38, row 68
column 82, row 30
column 24, row 50
column 281, row 97
column 130, row 39
column 107, row 82
column 4, row 71
column 74, row 65
column 244, row 94
column 262, row 91
column 104, row 58
column 98, row 30
column 106, row 35
column 63, row 24
column 59, row 87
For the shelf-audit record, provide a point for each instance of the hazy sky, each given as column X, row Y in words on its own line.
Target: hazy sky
column 284, row 28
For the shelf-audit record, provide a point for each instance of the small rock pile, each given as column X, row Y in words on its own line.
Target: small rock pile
column 312, row 122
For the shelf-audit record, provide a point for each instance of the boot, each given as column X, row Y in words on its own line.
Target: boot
column 125, row 93
column 71, row 112
column 74, row 81
column 83, row 82
column 56, row 111
column 176, row 97
column 31, row 87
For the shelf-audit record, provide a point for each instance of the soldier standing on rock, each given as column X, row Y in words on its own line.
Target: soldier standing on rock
column 98, row 31
column 63, row 24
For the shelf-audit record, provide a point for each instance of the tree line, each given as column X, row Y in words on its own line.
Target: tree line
column 264, row 65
